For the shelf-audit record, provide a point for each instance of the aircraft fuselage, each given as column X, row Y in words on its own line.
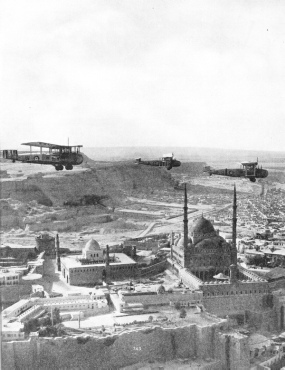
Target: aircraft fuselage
column 240, row 172
column 56, row 159
column 168, row 163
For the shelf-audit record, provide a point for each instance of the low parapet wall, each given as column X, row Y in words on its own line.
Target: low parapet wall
column 139, row 345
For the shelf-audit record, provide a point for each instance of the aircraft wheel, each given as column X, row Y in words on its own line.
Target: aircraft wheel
column 69, row 167
column 57, row 168
column 60, row 167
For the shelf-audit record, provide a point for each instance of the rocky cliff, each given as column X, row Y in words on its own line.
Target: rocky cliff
column 117, row 351
column 114, row 181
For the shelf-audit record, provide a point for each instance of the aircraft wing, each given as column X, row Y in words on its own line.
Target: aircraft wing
column 249, row 163
column 169, row 155
column 49, row 145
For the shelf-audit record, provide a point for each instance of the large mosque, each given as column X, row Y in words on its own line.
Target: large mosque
column 204, row 252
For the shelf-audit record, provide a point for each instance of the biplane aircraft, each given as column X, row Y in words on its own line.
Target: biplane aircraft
column 59, row 156
column 249, row 170
column 167, row 161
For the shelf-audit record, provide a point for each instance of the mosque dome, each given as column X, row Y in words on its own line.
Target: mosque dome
column 203, row 230
column 228, row 236
column 92, row 245
column 180, row 243
column 203, row 226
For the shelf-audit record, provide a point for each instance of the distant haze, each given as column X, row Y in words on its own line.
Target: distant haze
column 139, row 73
column 184, row 154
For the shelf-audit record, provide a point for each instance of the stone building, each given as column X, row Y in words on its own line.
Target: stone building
column 96, row 265
column 241, row 293
column 93, row 252
column 45, row 242
column 205, row 253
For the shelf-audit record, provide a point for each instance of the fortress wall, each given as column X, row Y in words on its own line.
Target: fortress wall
column 154, row 269
column 247, row 288
column 86, row 275
column 117, row 351
column 163, row 299
column 234, row 304
column 148, row 299
column 190, row 279
column 235, row 352
column 223, row 299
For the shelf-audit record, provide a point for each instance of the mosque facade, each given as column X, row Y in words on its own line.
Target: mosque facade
column 204, row 252
column 204, row 261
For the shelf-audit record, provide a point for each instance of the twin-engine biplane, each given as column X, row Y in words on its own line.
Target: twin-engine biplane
column 59, row 156
column 249, row 170
column 167, row 161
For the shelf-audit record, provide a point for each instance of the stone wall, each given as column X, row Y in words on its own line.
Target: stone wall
column 92, row 274
column 154, row 299
column 113, row 352
column 154, row 269
column 190, row 279
column 229, row 305
column 227, row 299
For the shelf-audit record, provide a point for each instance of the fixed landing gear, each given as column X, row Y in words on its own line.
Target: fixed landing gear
column 59, row 167
column 68, row 167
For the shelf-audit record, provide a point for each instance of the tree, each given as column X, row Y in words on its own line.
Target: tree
column 56, row 316
column 183, row 313
column 177, row 305
column 161, row 289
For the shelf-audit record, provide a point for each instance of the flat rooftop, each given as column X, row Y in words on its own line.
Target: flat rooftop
column 120, row 258
column 17, row 246
column 15, row 306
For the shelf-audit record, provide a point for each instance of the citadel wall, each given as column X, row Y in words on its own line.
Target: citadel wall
column 153, row 299
column 141, row 345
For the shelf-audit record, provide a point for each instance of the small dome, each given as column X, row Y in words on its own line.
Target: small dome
column 203, row 226
column 228, row 236
column 180, row 243
column 221, row 276
column 92, row 245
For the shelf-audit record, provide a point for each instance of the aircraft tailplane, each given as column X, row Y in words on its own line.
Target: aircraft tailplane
column 207, row 169
column 10, row 154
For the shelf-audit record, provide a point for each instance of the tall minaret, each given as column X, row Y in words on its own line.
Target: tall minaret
column 185, row 220
column 57, row 253
column 234, row 242
column 107, row 258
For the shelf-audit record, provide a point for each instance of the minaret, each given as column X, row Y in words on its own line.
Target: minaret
column 57, row 253
column 107, row 259
column 185, row 220
column 234, row 240
column 107, row 263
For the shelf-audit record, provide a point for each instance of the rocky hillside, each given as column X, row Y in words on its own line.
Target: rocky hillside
column 113, row 181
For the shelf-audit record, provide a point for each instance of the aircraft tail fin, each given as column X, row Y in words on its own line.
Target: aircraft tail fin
column 207, row 169
column 10, row 154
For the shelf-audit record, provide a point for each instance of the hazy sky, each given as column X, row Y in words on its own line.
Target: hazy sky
column 142, row 72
